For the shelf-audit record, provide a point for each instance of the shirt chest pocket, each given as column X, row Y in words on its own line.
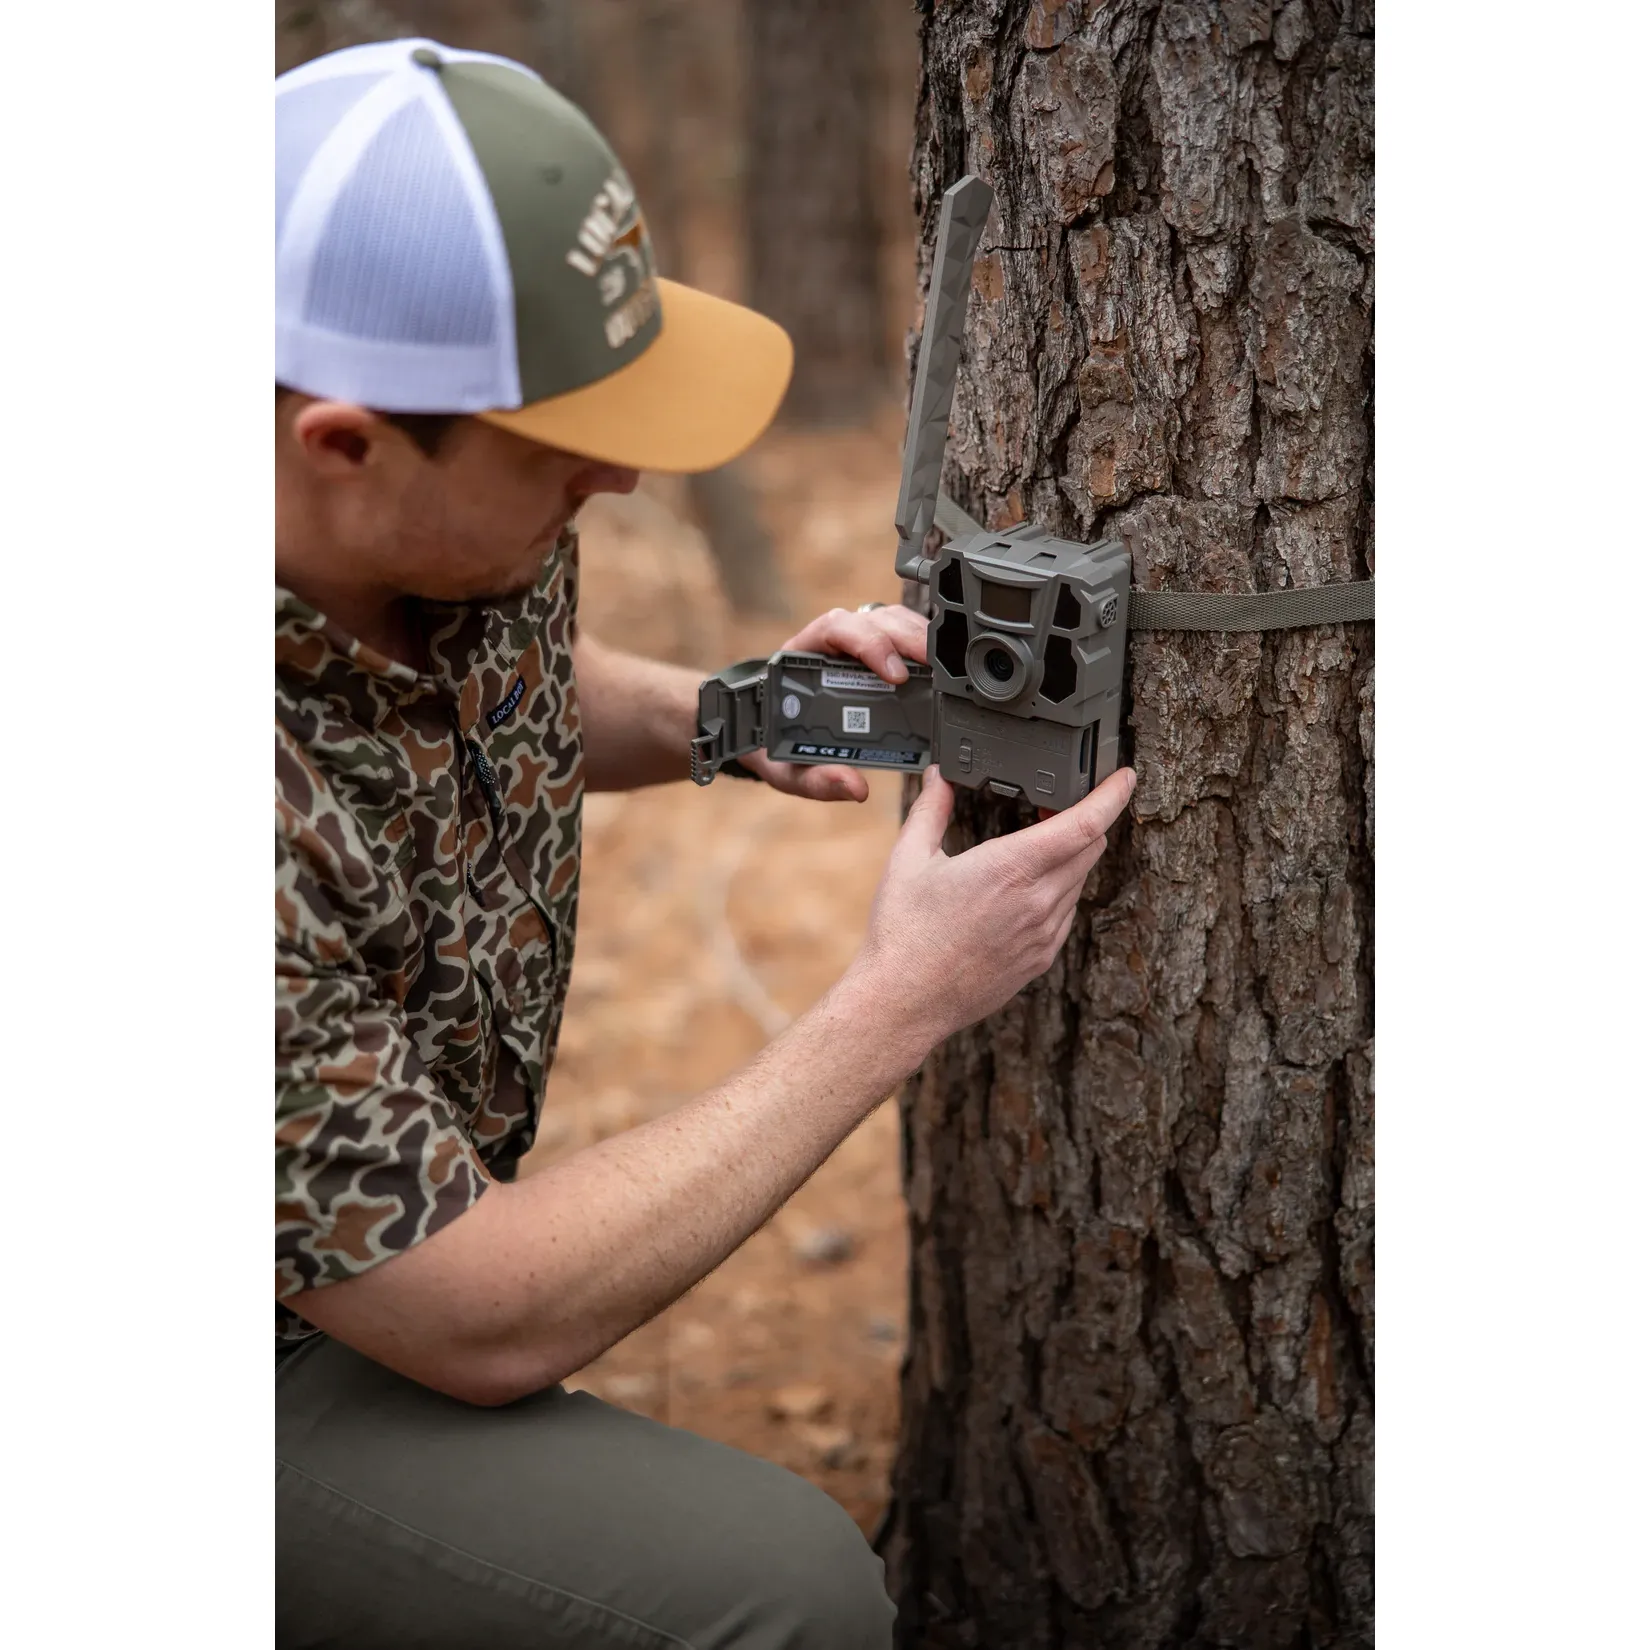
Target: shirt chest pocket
column 524, row 788
column 515, row 940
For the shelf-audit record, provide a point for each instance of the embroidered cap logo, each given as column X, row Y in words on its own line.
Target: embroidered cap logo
column 614, row 251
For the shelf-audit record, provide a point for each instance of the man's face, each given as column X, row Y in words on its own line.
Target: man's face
column 473, row 522
column 478, row 519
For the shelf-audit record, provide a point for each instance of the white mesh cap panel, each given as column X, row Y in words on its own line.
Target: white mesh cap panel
column 402, row 257
column 308, row 115
column 392, row 288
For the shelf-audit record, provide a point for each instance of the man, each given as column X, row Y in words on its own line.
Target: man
column 458, row 250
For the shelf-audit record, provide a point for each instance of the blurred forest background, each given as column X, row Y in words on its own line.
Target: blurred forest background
column 769, row 141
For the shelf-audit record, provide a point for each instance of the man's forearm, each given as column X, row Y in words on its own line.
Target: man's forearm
column 637, row 714
column 536, row 1279
column 540, row 1277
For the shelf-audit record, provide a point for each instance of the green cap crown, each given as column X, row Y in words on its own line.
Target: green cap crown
column 581, row 263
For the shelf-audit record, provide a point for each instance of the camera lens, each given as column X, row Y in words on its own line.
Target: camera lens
column 999, row 667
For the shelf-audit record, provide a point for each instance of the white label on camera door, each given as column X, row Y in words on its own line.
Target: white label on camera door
column 858, row 681
column 856, row 718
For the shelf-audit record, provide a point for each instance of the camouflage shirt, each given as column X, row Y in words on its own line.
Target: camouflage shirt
column 426, row 887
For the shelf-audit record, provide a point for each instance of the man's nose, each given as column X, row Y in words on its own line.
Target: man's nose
column 606, row 478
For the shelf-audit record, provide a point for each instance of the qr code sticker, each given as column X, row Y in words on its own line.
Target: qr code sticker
column 856, row 719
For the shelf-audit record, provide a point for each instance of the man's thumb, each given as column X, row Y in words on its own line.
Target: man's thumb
column 930, row 814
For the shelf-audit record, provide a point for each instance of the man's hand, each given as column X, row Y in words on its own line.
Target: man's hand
column 953, row 938
column 881, row 640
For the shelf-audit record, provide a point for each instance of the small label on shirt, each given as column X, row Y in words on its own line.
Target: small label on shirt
column 505, row 706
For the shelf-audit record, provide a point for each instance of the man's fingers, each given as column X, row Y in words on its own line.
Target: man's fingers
column 1061, row 888
column 832, row 784
column 908, row 631
column 1065, row 930
column 1053, row 842
column 924, row 828
column 828, row 784
column 1075, row 872
column 880, row 640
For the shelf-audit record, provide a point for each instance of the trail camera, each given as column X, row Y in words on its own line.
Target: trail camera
column 1025, row 637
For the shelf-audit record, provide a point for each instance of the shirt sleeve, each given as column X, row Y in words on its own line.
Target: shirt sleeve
column 370, row 1157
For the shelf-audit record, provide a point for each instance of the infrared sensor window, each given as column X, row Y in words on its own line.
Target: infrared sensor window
column 1009, row 603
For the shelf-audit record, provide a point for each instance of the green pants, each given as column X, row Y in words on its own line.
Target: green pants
column 408, row 1520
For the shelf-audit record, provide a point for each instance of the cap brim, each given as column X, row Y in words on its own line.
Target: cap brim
column 700, row 394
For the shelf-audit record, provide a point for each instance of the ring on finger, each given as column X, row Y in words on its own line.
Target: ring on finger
column 869, row 607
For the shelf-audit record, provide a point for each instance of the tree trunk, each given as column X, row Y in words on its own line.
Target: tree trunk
column 1138, row 1402
column 812, row 232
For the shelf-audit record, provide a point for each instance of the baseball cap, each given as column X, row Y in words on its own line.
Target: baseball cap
column 453, row 236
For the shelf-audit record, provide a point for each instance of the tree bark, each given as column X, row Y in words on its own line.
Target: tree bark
column 812, row 232
column 1138, row 1401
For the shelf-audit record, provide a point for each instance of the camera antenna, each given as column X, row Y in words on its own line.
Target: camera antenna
column 963, row 211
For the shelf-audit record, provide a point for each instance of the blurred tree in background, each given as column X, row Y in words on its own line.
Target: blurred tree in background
column 677, row 81
column 810, row 204
column 543, row 33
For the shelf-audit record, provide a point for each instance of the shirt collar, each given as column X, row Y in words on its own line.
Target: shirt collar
column 461, row 638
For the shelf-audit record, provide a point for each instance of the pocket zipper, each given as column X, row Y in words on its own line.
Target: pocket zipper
column 488, row 775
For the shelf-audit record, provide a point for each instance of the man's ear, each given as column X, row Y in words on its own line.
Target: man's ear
column 337, row 437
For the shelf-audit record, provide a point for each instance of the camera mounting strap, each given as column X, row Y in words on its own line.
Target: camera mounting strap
column 1201, row 610
column 1263, row 610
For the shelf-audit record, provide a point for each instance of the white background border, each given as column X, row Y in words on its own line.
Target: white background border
column 137, row 291
column 1512, row 913
column 1510, row 868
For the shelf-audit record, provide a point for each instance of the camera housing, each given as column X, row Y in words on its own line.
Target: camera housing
column 1025, row 640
